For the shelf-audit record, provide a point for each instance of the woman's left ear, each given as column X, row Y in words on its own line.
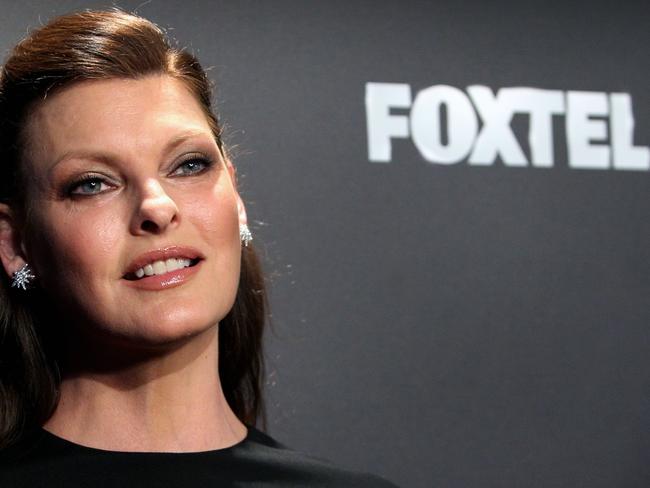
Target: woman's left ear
column 241, row 209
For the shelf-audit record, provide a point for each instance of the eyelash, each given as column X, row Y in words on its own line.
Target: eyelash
column 75, row 185
column 205, row 162
column 195, row 158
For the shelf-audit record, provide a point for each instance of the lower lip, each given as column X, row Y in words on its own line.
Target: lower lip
column 165, row 281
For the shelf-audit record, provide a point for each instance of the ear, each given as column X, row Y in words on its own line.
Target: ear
column 241, row 209
column 11, row 250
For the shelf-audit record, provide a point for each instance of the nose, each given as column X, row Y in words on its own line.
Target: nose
column 155, row 210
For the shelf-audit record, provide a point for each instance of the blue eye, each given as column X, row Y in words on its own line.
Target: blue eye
column 88, row 186
column 192, row 166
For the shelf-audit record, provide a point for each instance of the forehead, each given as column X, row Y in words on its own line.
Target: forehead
column 115, row 114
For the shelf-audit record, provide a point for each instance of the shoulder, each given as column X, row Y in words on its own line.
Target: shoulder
column 259, row 460
column 24, row 449
column 23, row 462
column 303, row 469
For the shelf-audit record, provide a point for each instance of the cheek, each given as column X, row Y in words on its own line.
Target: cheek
column 77, row 248
column 215, row 215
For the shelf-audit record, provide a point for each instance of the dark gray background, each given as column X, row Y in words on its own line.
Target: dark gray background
column 439, row 325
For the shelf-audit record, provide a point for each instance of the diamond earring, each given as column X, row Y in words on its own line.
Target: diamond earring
column 245, row 234
column 23, row 277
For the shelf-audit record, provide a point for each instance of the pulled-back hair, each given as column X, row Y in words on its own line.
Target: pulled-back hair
column 87, row 46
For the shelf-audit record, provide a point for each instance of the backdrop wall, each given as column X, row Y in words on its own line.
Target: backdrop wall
column 452, row 202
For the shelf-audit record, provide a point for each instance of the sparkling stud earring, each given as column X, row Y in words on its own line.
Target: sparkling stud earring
column 22, row 277
column 245, row 234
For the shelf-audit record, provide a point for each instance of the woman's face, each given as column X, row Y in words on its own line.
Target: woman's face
column 126, row 180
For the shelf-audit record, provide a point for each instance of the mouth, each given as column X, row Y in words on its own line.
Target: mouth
column 161, row 267
column 162, row 261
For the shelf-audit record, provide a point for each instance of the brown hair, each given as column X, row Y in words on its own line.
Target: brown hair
column 85, row 46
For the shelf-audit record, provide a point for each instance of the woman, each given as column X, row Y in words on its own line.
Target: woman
column 133, row 308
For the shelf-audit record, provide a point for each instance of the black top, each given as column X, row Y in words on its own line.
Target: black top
column 45, row 460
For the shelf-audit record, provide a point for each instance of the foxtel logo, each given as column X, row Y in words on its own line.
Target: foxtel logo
column 448, row 126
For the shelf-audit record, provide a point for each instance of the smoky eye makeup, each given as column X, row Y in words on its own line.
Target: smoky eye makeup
column 87, row 185
column 190, row 164
column 90, row 183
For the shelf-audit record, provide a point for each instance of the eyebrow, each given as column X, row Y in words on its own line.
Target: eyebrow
column 106, row 158
column 184, row 136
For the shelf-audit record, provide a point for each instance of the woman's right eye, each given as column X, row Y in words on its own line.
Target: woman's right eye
column 88, row 186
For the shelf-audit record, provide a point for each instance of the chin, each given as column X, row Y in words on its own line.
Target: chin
column 174, row 328
column 160, row 331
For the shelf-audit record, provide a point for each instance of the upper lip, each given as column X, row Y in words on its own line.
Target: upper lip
column 178, row 252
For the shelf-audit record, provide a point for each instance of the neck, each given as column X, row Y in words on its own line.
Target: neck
column 168, row 401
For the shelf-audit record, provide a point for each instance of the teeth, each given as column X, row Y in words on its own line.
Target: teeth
column 159, row 267
column 171, row 264
column 162, row 267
